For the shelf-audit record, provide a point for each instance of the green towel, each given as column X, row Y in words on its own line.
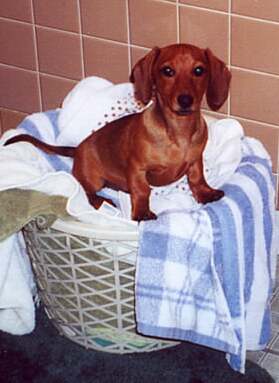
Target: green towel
column 18, row 207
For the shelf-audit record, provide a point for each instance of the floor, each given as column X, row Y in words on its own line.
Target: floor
column 269, row 358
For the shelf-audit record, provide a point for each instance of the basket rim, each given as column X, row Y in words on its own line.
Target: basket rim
column 90, row 230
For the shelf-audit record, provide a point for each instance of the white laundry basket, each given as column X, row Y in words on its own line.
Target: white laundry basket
column 86, row 278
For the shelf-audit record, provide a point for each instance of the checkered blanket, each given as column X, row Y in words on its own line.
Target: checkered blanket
column 206, row 275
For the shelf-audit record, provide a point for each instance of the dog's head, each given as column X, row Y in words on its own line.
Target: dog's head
column 179, row 75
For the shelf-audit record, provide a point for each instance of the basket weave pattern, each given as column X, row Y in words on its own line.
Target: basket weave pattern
column 87, row 288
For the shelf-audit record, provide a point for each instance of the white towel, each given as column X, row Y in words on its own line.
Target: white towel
column 91, row 104
column 17, row 288
column 24, row 166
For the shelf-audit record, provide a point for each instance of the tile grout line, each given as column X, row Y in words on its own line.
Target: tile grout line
column 35, row 72
column 229, row 48
column 233, row 14
column 255, row 19
column 36, row 55
column 182, row 5
column 246, row 119
column 3, row 18
column 145, row 47
column 165, row 1
column 121, row 43
column 81, row 40
column 210, row 10
column 128, row 36
column 139, row 46
column 255, row 71
column 177, row 22
column 270, row 125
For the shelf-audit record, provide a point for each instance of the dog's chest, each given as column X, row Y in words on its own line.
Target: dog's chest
column 168, row 165
column 162, row 175
column 170, row 162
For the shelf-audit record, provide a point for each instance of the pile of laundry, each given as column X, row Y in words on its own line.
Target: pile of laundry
column 204, row 273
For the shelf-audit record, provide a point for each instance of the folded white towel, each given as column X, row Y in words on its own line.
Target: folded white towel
column 91, row 104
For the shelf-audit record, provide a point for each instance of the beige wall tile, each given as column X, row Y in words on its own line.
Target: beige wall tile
column 266, row 134
column 152, row 23
column 107, row 19
column 137, row 54
column 106, row 49
column 61, row 14
column 106, row 59
column 16, row 9
column 268, row 9
column 221, row 5
column 205, row 29
column 253, row 45
column 59, row 53
column 54, row 90
column 19, row 90
column 255, row 96
column 10, row 119
column 17, row 44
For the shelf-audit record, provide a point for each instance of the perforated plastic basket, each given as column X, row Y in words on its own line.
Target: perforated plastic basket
column 85, row 278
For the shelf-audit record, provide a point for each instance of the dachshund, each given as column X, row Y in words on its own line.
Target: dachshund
column 161, row 144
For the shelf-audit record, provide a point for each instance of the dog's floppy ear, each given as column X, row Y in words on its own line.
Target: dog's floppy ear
column 219, row 81
column 141, row 76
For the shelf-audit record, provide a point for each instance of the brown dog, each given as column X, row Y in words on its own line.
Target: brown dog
column 161, row 144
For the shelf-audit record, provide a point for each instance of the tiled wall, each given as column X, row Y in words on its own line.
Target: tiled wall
column 46, row 46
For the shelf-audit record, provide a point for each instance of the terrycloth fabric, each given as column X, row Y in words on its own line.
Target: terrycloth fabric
column 18, row 207
column 24, row 166
column 91, row 104
column 17, row 288
column 206, row 275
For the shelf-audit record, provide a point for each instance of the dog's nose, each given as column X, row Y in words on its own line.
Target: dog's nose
column 185, row 100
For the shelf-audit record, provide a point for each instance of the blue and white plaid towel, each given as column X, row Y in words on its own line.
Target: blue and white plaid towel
column 206, row 275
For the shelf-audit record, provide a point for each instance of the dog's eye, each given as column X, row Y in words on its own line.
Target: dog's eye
column 168, row 71
column 199, row 71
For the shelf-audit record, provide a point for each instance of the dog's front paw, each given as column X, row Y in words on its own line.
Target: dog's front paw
column 210, row 196
column 145, row 216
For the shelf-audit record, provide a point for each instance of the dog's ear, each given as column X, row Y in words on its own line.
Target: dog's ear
column 218, row 83
column 141, row 76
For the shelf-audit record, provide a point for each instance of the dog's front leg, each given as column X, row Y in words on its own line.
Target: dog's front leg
column 202, row 192
column 140, row 194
